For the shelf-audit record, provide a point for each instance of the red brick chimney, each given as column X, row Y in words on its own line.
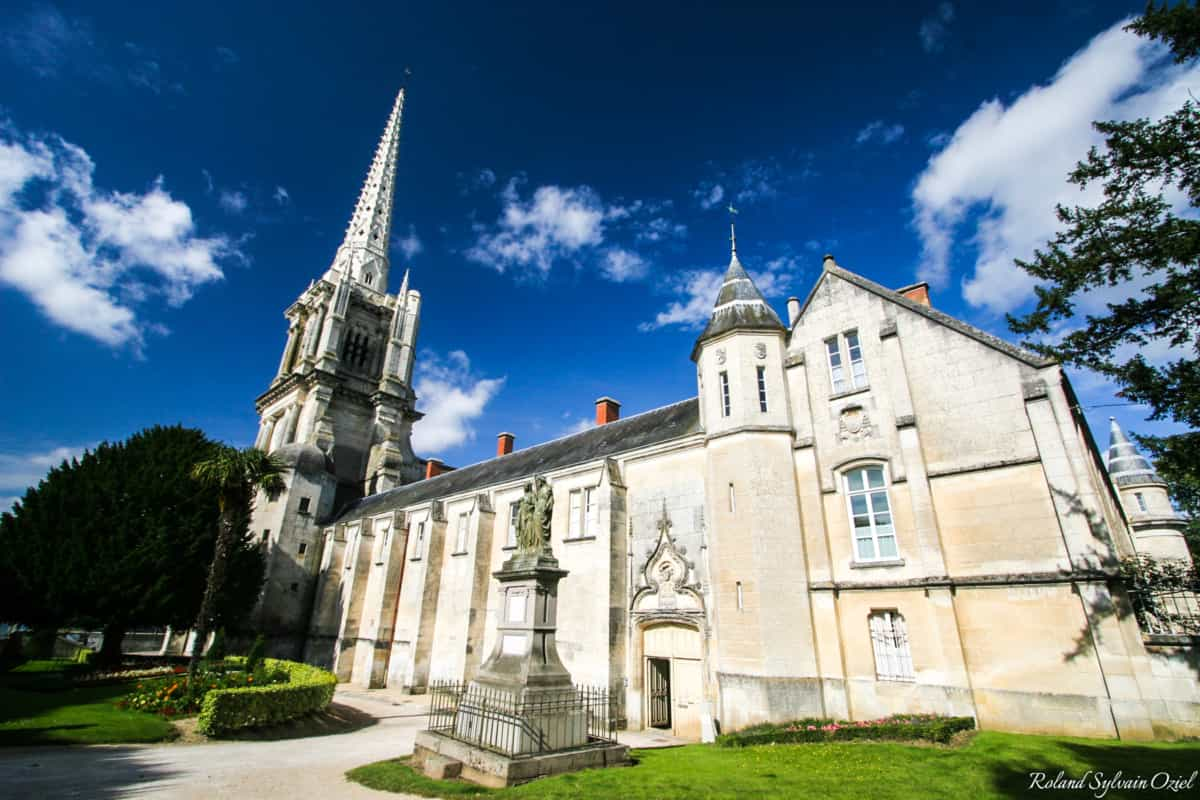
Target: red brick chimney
column 504, row 444
column 607, row 410
column 434, row 466
column 918, row 292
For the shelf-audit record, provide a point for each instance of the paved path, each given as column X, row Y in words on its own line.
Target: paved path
column 289, row 769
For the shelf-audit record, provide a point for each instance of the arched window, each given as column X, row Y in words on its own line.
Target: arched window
column 368, row 279
column 870, row 515
column 889, row 639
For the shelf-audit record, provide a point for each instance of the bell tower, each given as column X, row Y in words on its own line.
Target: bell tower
column 339, row 412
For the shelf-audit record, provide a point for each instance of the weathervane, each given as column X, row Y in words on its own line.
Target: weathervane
column 732, row 232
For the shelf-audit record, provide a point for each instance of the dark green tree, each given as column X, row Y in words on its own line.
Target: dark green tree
column 122, row 536
column 1137, row 237
column 235, row 476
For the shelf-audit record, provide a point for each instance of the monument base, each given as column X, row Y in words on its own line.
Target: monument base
column 433, row 751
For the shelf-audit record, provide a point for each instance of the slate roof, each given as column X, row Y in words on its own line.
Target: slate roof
column 1125, row 464
column 641, row 430
column 983, row 337
column 739, row 306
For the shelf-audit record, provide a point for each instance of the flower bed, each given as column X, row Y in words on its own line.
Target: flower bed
column 175, row 696
column 121, row 675
column 898, row 727
column 306, row 690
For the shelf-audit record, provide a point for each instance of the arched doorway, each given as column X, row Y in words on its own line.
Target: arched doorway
column 673, row 677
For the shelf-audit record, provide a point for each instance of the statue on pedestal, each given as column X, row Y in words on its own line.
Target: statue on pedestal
column 534, row 513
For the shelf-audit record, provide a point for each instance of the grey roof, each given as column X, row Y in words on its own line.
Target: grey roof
column 641, row 430
column 983, row 337
column 739, row 306
column 1125, row 464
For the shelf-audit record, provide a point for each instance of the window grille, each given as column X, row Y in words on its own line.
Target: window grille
column 889, row 638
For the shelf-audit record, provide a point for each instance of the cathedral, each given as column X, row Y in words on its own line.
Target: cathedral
column 869, row 508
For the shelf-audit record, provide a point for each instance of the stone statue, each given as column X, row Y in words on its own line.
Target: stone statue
column 533, row 517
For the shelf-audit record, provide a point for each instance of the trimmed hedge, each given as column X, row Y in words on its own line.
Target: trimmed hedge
column 898, row 727
column 308, row 689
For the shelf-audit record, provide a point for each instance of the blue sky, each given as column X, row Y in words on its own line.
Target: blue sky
column 171, row 177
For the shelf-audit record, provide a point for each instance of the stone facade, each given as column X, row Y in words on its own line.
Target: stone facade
column 873, row 508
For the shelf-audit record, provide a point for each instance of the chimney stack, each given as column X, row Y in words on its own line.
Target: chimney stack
column 434, row 466
column 793, row 310
column 607, row 410
column 918, row 292
column 504, row 444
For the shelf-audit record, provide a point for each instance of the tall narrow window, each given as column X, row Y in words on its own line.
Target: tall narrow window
column 513, row 510
column 460, row 542
column 419, row 541
column 724, row 394
column 732, row 505
column 302, row 549
column 762, row 389
column 575, row 514
column 846, row 349
column 1141, row 501
column 304, row 501
column 889, row 639
column 870, row 515
column 266, row 537
column 591, row 512
column 740, row 598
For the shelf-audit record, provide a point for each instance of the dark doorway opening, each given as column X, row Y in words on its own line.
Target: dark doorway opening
column 660, row 692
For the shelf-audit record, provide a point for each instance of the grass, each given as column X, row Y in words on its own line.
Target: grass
column 39, row 706
column 991, row 765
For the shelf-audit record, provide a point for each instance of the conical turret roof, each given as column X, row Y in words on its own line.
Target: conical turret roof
column 740, row 306
column 1125, row 464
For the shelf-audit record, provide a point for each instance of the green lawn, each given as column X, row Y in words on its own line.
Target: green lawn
column 67, row 715
column 992, row 765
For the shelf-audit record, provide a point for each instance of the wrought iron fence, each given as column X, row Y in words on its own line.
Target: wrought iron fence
column 503, row 722
column 1175, row 612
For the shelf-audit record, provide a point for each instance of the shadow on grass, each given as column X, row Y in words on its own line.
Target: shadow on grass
column 100, row 773
column 1090, row 766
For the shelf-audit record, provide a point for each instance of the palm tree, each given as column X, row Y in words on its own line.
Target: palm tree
column 236, row 475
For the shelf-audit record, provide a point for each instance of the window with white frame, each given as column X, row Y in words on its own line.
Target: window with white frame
column 575, row 514
column 762, row 389
column 591, row 512
column 870, row 515
column 847, row 370
column 460, row 541
column 510, row 539
column 889, row 638
column 724, row 394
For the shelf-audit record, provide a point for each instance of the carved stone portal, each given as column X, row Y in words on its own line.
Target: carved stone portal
column 668, row 578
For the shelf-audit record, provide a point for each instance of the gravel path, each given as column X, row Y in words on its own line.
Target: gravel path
column 288, row 769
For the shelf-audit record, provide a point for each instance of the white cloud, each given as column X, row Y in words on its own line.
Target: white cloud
column 19, row 471
column 232, row 201
column 281, row 196
column 934, row 29
column 554, row 224
column 660, row 229
column 698, row 292
column 578, row 426
column 620, row 265
column 410, row 245
column 85, row 257
column 708, row 195
column 996, row 183
column 881, row 131
column 452, row 398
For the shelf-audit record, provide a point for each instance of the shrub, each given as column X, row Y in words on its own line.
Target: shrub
column 898, row 727
column 308, row 689
column 85, row 656
column 255, row 656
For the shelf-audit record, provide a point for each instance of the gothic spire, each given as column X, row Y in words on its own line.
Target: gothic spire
column 364, row 251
